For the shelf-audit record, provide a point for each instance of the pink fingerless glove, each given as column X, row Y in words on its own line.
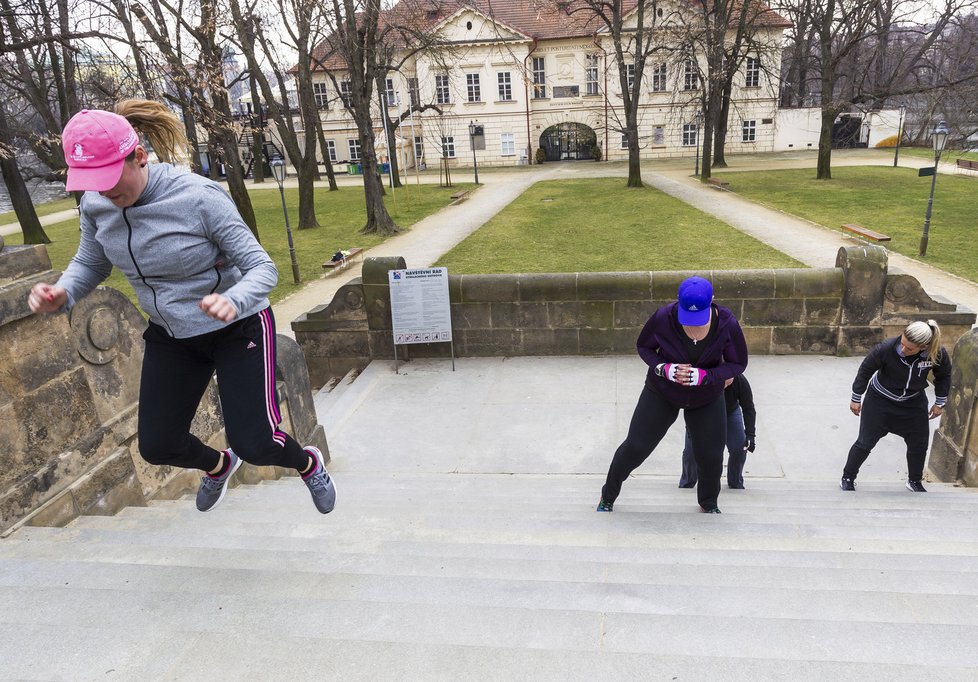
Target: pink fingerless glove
column 667, row 370
column 697, row 377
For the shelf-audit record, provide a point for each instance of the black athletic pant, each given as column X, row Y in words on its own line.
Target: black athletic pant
column 880, row 416
column 707, row 428
column 174, row 377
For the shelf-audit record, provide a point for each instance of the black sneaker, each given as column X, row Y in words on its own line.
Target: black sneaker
column 605, row 506
column 915, row 486
column 847, row 484
column 714, row 510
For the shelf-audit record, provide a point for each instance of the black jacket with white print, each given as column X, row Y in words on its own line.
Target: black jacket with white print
column 902, row 378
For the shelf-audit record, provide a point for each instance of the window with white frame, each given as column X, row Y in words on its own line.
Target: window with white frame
column 346, row 92
column 507, row 144
column 752, row 78
column 690, row 132
column 473, row 87
column 331, row 150
column 321, row 95
column 413, row 92
column 630, row 75
column 354, row 145
column 539, row 78
column 443, row 94
column 659, row 75
column 418, row 146
column 658, row 135
column 691, row 75
column 389, row 93
column 448, row 146
column 504, row 80
column 748, row 131
column 624, row 141
column 591, row 75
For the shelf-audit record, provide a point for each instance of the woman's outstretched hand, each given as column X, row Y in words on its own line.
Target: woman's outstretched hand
column 46, row 298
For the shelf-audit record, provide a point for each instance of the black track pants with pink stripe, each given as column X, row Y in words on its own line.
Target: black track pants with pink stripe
column 174, row 377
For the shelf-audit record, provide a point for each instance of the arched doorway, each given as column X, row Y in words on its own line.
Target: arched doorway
column 568, row 142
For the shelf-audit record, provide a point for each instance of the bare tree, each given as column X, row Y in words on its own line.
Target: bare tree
column 631, row 27
column 204, row 81
column 300, row 19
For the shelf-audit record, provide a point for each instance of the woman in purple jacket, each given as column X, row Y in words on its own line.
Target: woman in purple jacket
column 692, row 347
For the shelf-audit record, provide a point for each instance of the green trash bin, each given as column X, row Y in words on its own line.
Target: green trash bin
column 351, row 169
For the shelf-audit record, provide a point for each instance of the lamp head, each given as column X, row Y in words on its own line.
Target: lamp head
column 698, row 117
column 278, row 169
column 941, row 133
column 471, row 128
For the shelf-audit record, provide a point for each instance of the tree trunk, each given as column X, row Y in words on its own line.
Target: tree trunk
column 257, row 135
column 825, row 144
column 379, row 220
column 720, row 136
column 30, row 226
column 330, row 173
column 235, row 179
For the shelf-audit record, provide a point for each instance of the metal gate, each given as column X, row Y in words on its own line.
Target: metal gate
column 568, row 142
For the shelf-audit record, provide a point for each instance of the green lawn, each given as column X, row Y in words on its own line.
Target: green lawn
column 889, row 200
column 599, row 225
column 46, row 208
column 341, row 215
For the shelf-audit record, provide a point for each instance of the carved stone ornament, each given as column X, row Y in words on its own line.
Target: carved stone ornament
column 97, row 325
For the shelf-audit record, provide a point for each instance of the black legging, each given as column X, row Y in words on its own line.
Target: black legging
column 880, row 416
column 175, row 375
column 707, row 428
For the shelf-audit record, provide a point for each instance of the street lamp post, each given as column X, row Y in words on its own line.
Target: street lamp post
column 940, row 136
column 278, row 170
column 475, row 165
column 896, row 151
column 698, row 119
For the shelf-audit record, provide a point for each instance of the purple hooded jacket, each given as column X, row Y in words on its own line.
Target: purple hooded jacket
column 725, row 357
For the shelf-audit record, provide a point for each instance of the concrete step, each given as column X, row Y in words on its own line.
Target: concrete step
column 330, row 394
column 91, row 653
column 648, row 625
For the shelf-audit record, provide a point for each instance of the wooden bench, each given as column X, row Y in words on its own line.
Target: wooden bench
column 460, row 196
column 967, row 164
column 865, row 232
column 719, row 184
column 343, row 262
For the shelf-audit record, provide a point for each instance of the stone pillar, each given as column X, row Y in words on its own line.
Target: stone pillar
column 864, row 273
column 954, row 454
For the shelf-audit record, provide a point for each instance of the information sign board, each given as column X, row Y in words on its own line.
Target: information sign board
column 420, row 310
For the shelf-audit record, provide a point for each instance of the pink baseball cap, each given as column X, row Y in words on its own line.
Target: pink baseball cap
column 96, row 144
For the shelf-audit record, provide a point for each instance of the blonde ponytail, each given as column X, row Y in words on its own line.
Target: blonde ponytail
column 160, row 125
column 925, row 334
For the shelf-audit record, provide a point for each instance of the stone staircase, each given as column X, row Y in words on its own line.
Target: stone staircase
column 466, row 576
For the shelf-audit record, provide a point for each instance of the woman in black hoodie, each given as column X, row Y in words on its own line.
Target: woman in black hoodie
column 888, row 397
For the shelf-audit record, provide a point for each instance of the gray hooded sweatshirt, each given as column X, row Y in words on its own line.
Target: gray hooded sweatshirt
column 181, row 240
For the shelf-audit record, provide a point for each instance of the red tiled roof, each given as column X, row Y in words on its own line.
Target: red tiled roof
column 537, row 19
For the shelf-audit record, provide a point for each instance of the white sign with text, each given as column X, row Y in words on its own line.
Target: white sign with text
column 420, row 310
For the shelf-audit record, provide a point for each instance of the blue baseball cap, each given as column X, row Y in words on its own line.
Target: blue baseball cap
column 695, row 297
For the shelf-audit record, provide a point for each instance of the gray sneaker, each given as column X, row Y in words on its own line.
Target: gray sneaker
column 212, row 488
column 320, row 484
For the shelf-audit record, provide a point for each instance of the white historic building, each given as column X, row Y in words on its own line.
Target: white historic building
column 541, row 76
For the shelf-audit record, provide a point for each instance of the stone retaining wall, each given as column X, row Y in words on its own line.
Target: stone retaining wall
column 840, row 310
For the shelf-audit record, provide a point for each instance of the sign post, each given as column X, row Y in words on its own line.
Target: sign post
column 420, row 309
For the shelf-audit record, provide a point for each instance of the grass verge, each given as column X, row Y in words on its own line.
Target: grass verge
column 599, row 225
column 888, row 200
